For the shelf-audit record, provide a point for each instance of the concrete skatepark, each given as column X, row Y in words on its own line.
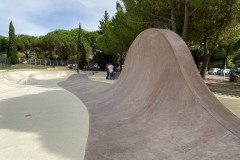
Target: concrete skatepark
column 38, row 119
column 159, row 108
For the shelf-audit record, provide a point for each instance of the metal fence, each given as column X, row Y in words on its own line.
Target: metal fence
column 5, row 62
column 48, row 62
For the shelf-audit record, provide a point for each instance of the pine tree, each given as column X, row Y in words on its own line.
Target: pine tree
column 12, row 44
column 103, row 21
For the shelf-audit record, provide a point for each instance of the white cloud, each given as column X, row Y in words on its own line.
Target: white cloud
column 38, row 17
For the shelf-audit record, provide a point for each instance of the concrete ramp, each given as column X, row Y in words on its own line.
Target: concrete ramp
column 160, row 109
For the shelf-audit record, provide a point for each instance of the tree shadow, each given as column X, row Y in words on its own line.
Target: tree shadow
column 41, row 122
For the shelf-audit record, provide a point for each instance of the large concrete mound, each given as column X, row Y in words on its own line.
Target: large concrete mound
column 160, row 109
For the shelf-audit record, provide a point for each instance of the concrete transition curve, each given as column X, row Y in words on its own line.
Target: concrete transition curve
column 159, row 109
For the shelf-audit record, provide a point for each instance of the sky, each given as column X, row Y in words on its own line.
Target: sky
column 38, row 17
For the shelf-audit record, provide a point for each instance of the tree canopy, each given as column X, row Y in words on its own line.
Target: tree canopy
column 210, row 28
column 204, row 25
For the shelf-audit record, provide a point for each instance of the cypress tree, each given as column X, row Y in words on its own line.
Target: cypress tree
column 12, row 44
column 81, row 52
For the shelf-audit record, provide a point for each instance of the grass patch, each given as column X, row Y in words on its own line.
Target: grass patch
column 24, row 66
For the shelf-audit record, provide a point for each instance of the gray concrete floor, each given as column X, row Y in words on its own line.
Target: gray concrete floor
column 39, row 120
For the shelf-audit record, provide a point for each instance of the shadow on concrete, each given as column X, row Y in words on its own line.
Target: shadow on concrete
column 42, row 122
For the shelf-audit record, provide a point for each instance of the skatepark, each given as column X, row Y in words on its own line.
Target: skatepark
column 38, row 119
column 159, row 108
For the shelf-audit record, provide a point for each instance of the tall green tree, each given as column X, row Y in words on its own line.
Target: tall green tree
column 12, row 44
column 86, row 40
column 103, row 21
column 81, row 52
column 117, row 33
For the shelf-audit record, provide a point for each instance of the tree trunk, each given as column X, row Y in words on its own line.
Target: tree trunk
column 206, row 58
column 26, row 54
column 186, row 20
column 225, row 59
column 51, row 55
column 208, row 55
column 173, row 16
column 46, row 54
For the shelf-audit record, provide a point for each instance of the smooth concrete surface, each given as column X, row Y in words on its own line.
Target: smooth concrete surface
column 38, row 119
column 100, row 76
column 230, row 102
column 158, row 109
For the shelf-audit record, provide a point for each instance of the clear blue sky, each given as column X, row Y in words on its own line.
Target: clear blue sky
column 38, row 17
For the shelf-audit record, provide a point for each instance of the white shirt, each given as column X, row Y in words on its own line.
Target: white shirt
column 110, row 68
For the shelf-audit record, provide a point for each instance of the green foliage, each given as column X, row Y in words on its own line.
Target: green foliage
column 86, row 40
column 3, row 45
column 116, row 35
column 23, row 66
column 26, row 44
column 12, row 44
column 81, row 52
column 102, row 59
column 62, row 44
column 211, row 26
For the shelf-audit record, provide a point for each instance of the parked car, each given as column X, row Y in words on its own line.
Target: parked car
column 70, row 66
column 235, row 70
column 213, row 71
column 24, row 62
column 224, row 71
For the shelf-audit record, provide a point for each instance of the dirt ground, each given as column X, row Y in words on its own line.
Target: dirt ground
column 224, row 87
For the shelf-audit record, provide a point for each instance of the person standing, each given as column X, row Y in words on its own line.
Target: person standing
column 107, row 69
column 111, row 73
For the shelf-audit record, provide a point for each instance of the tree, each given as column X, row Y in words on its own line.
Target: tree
column 211, row 20
column 26, row 44
column 117, row 33
column 229, row 43
column 81, row 52
column 46, row 45
column 173, row 14
column 207, row 21
column 86, row 40
column 3, row 44
column 12, row 44
column 103, row 21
